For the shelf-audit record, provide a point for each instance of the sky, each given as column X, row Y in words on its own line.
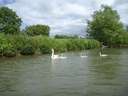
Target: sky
column 63, row 16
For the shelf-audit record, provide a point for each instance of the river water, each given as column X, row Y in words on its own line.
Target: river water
column 74, row 76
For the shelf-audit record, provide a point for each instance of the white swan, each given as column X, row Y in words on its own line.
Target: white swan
column 56, row 56
column 83, row 56
column 103, row 55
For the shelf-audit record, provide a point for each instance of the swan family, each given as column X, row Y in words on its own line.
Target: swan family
column 55, row 56
column 83, row 56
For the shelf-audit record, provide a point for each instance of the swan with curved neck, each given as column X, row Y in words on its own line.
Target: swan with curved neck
column 53, row 56
column 103, row 55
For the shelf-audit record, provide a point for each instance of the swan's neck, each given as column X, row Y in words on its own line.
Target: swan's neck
column 100, row 54
column 52, row 53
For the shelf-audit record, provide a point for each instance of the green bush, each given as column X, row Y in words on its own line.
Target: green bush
column 66, row 37
column 1, row 52
column 59, row 45
column 82, row 44
column 9, row 52
column 18, row 41
column 71, row 45
column 6, row 47
column 38, row 29
column 27, row 45
column 62, row 45
column 45, row 49
column 27, row 50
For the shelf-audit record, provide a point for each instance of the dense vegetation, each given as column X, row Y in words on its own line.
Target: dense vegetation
column 34, row 39
column 38, row 29
column 9, row 21
column 27, row 45
column 66, row 37
column 106, row 27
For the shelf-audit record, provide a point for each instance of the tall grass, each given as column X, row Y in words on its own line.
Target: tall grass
column 26, row 45
column 63, row 45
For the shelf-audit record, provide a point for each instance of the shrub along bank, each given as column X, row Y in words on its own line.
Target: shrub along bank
column 11, row 45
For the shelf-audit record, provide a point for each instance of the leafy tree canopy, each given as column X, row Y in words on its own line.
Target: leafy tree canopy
column 9, row 21
column 34, row 30
column 105, row 25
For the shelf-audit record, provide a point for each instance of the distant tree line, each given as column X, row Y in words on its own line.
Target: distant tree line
column 66, row 37
column 10, row 23
column 38, row 29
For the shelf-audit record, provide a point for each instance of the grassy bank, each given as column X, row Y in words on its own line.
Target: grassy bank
column 11, row 45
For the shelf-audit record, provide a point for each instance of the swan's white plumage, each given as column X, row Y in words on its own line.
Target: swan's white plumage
column 83, row 56
column 103, row 55
column 56, row 56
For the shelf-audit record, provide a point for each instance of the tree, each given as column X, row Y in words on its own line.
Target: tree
column 127, row 28
column 105, row 25
column 34, row 30
column 9, row 21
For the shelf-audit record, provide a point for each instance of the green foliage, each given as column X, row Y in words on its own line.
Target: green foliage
column 9, row 21
column 6, row 47
column 45, row 45
column 10, row 45
column 127, row 28
column 27, row 50
column 65, row 37
column 105, row 25
column 120, row 41
column 38, row 30
column 9, row 51
column 33, row 40
column 18, row 41
column 73, row 45
column 44, row 49
column 63, row 45
column 59, row 45
column 82, row 44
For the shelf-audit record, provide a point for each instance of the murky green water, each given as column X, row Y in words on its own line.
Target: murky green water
column 74, row 76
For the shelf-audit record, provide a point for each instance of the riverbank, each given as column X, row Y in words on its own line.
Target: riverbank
column 12, row 45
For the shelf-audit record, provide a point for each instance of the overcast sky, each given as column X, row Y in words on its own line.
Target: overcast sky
column 63, row 16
